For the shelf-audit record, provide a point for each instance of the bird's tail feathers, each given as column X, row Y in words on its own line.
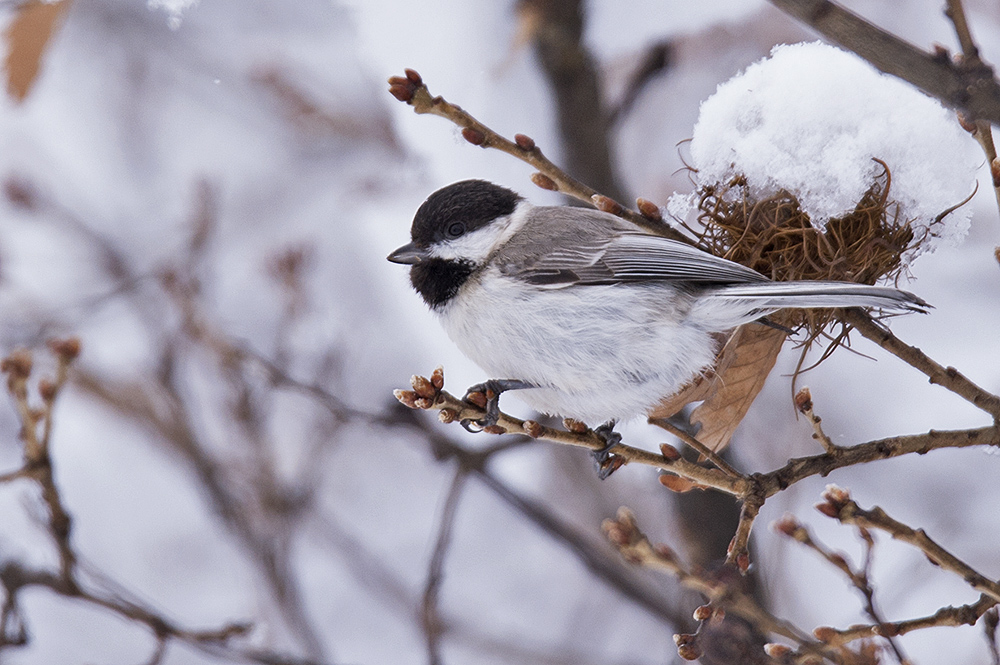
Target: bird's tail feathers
column 772, row 296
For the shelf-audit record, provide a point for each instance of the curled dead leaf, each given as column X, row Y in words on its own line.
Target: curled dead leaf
column 726, row 393
column 27, row 37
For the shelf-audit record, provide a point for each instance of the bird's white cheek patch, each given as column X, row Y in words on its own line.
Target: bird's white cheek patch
column 479, row 244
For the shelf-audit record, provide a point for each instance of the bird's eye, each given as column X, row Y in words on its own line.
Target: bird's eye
column 456, row 229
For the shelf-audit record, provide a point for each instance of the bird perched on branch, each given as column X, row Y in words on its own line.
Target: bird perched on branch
column 585, row 314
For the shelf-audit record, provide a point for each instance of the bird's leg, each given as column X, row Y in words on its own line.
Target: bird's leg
column 606, row 462
column 491, row 389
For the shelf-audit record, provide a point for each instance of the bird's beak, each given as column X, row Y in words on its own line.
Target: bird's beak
column 408, row 255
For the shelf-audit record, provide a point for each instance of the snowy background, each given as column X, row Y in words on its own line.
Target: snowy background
column 268, row 127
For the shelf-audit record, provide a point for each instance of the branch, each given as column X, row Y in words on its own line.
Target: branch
column 430, row 619
column 429, row 394
column 947, row 377
column 411, row 89
column 969, row 86
column 860, row 579
column 839, row 505
column 965, row 615
column 635, row 547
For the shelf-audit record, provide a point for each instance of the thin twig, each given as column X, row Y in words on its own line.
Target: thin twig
column 698, row 446
column 430, row 618
column 411, row 89
column 947, row 377
column 839, row 505
column 965, row 615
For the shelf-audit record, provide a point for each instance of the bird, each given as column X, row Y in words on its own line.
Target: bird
column 584, row 314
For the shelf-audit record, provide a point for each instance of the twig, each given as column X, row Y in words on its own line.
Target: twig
column 592, row 557
column 839, row 505
column 804, row 467
column 430, row 619
column 624, row 533
column 698, row 446
column 980, row 128
column 947, row 377
column 36, row 433
column 739, row 549
column 965, row 615
column 860, row 579
column 804, row 404
column 990, row 630
column 411, row 89
column 427, row 395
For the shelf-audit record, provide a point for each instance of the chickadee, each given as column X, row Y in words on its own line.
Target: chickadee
column 586, row 314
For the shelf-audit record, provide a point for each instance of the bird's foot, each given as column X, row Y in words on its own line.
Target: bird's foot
column 487, row 396
column 606, row 461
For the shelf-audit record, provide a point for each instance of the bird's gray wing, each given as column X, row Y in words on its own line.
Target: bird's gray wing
column 588, row 247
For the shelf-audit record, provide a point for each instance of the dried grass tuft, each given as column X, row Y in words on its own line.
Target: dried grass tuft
column 776, row 238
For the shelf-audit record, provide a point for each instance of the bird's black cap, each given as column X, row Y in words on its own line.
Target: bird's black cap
column 473, row 203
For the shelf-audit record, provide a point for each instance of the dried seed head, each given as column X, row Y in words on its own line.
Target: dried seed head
column 67, row 349
column 837, row 495
column 788, row 526
column 743, row 562
column 775, row 650
column 47, row 389
column 401, row 88
column 545, row 182
column 524, row 142
column 828, row 509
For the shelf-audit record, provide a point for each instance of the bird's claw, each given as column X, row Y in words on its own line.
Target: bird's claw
column 606, row 461
column 486, row 395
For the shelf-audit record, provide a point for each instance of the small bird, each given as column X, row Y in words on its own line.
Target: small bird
column 585, row 314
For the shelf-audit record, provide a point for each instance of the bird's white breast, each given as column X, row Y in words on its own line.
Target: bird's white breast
column 598, row 353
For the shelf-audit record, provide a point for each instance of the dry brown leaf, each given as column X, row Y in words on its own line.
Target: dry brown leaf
column 26, row 37
column 743, row 367
column 697, row 390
